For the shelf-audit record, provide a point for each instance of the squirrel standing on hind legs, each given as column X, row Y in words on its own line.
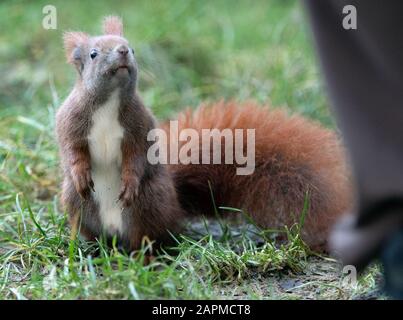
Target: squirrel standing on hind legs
column 110, row 187
column 102, row 126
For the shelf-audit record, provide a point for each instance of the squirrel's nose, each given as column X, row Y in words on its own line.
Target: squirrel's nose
column 122, row 49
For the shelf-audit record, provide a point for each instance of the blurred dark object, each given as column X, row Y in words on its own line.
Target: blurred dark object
column 363, row 69
column 392, row 259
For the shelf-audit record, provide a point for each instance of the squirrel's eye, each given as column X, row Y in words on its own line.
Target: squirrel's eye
column 93, row 53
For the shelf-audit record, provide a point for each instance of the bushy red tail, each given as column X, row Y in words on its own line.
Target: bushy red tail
column 293, row 157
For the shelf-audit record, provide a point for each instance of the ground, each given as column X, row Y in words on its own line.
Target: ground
column 188, row 52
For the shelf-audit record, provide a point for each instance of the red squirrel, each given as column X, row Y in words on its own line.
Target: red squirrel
column 111, row 188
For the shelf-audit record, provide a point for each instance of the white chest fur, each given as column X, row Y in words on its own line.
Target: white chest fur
column 104, row 139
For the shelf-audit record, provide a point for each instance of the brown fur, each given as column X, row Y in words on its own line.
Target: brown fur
column 71, row 41
column 148, row 197
column 293, row 156
column 113, row 25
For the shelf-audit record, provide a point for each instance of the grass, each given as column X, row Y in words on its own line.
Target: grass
column 188, row 52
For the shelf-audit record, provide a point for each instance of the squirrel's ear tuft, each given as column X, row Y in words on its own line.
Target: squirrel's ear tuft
column 72, row 42
column 113, row 25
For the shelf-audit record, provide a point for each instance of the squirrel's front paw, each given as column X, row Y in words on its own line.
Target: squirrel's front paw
column 128, row 192
column 82, row 180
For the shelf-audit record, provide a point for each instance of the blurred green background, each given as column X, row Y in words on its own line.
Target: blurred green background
column 188, row 52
